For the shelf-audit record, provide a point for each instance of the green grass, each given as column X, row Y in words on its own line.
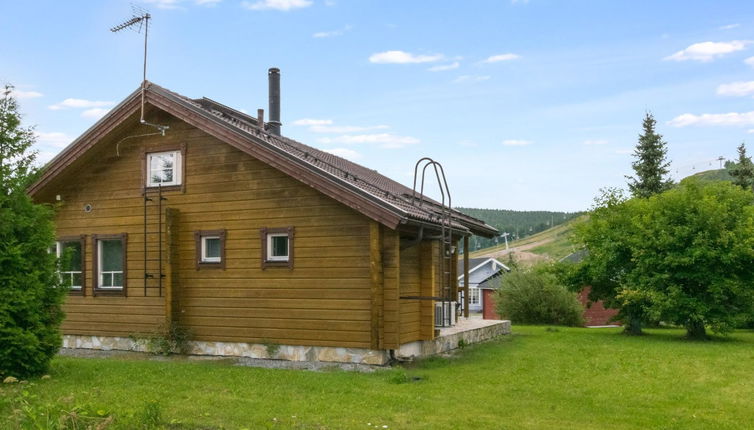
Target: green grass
column 535, row 379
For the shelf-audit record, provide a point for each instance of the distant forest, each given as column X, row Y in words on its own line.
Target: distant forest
column 518, row 224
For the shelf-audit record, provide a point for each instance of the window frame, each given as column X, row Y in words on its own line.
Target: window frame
column 179, row 172
column 267, row 233
column 108, row 291
column 475, row 292
column 199, row 237
column 82, row 242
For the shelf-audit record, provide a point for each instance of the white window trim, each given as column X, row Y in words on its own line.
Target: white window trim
column 101, row 273
column 177, row 169
column 206, row 259
column 475, row 293
column 69, row 274
column 271, row 257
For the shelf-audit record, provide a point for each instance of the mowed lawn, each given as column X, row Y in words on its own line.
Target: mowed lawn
column 538, row 378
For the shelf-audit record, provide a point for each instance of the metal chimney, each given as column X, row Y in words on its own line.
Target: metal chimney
column 274, row 89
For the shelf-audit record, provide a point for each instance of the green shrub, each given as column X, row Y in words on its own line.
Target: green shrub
column 169, row 338
column 30, row 290
column 535, row 297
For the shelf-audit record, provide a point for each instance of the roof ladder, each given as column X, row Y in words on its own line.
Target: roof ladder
column 446, row 231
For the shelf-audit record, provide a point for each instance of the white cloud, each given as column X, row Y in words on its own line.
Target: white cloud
column 501, row 57
column 729, row 26
column 737, row 89
column 402, row 57
column 443, row 67
column 470, row 78
column 385, row 140
column 624, row 151
column 20, row 94
column 345, row 128
column 334, row 33
column 312, row 121
column 284, row 5
column 95, row 113
column 519, row 1
column 346, row 153
column 54, row 138
column 517, row 142
column 708, row 51
column 594, row 142
column 80, row 103
column 750, row 131
column 749, row 61
column 708, row 119
column 330, row 3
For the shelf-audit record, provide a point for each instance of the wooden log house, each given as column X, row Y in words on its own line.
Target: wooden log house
column 243, row 236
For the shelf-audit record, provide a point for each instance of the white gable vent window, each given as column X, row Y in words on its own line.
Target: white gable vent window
column 164, row 168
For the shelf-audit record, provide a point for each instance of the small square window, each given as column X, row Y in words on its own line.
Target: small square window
column 210, row 248
column 164, row 168
column 277, row 246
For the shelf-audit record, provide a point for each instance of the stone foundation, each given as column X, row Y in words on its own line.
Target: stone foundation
column 239, row 349
column 468, row 332
column 464, row 333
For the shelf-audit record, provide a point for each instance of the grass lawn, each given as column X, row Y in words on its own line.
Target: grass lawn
column 538, row 379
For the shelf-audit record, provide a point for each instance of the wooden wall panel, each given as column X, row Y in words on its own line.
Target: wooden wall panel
column 410, row 286
column 326, row 299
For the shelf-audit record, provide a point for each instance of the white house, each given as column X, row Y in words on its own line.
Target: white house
column 484, row 273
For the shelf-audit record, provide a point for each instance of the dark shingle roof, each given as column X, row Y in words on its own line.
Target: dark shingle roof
column 368, row 180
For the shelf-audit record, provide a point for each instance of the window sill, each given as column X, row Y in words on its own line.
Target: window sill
column 277, row 263
column 165, row 188
column 78, row 292
column 110, row 292
column 208, row 265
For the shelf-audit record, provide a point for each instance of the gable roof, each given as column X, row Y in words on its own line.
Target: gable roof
column 476, row 263
column 364, row 190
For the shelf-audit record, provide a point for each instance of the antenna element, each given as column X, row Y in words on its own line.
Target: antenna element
column 141, row 17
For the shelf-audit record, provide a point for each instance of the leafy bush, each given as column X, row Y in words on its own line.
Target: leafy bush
column 535, row 297
column 30, row 294
column 169, row 338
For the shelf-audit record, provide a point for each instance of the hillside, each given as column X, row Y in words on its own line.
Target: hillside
column 712, row 175
column 518, row 224
column 549, row 245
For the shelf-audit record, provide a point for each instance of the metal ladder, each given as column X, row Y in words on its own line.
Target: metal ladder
column 446, row 231
column 156, row 199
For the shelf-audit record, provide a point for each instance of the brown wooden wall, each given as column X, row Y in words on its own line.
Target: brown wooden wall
column 332, row 296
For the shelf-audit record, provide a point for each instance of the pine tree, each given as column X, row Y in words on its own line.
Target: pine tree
column 743, row 170
column 650, row 165
column 30, row 289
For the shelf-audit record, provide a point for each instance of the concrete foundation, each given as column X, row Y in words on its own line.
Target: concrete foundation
column 465, row 332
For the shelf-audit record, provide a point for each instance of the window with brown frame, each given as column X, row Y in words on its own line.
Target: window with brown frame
column 109, row 264
column 72, row 250
column 164, row 167
column 210, row 249
column 277, row 247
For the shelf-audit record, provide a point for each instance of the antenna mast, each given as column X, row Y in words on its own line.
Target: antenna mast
column 141, row 17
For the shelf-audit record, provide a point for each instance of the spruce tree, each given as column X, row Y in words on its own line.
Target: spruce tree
column 30, row 288
column 743, row 170
column 650, row 165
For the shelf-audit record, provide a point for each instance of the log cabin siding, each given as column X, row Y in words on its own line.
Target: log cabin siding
column 325, row 299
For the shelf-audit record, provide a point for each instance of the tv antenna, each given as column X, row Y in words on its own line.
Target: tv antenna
column 138, row 21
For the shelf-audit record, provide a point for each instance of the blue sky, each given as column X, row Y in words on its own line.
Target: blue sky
column 528, row 104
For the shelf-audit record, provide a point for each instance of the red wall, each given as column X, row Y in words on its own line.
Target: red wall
column 488, row 305
column 595, row 313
